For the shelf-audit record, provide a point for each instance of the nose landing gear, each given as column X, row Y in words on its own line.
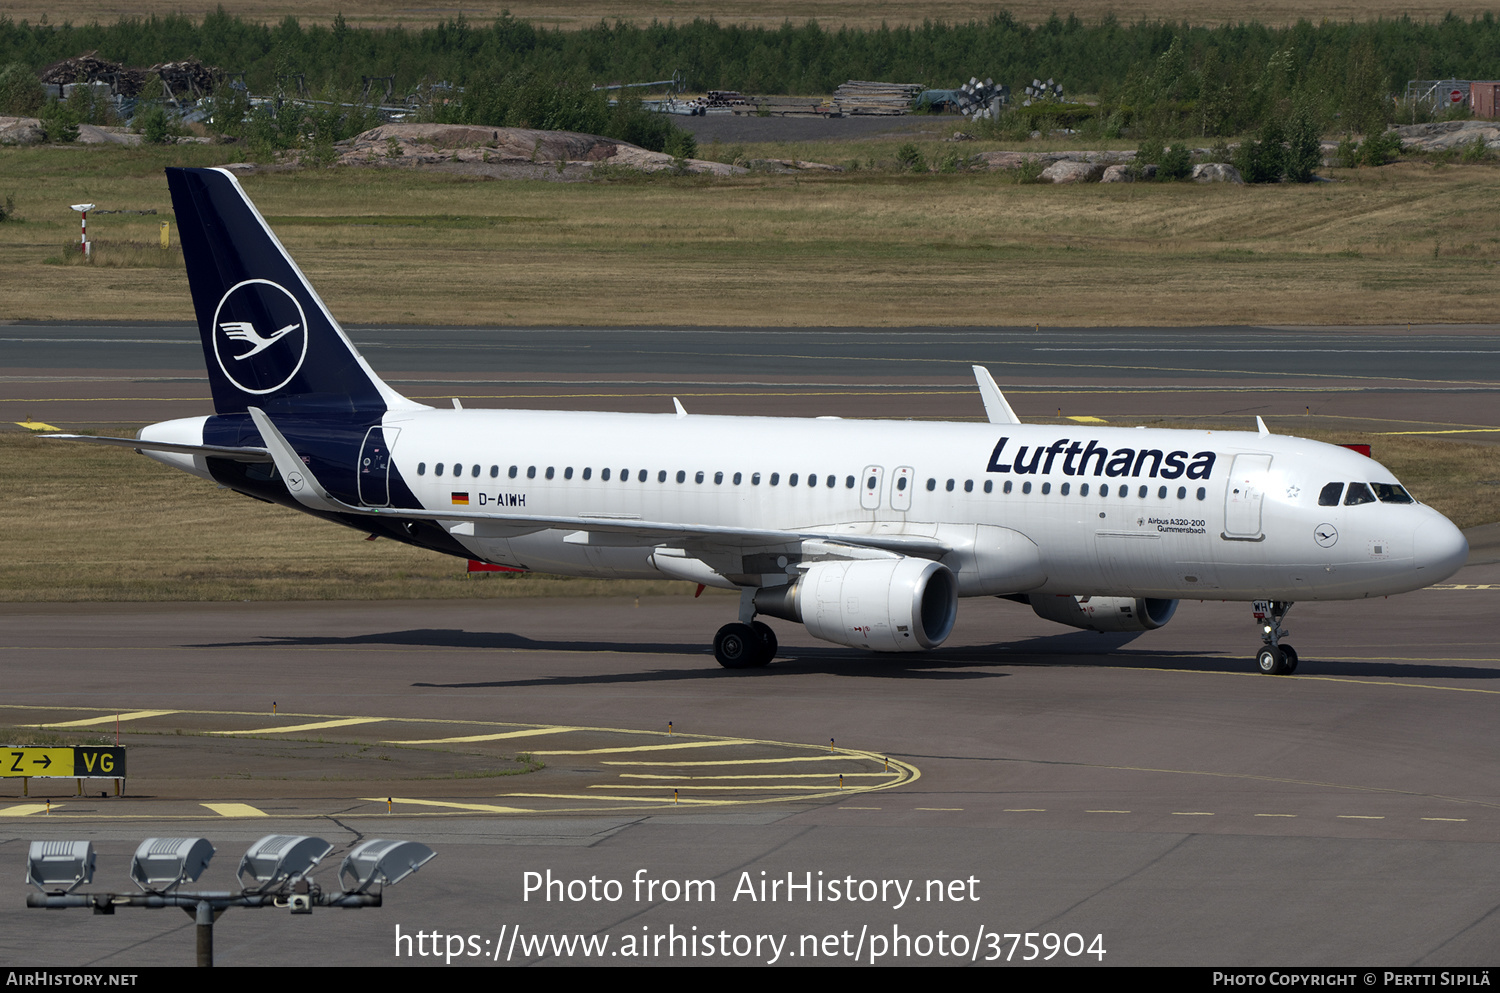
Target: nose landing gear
column 1274, row 658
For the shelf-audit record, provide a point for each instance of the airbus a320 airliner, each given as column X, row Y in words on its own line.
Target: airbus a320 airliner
column 865, row 532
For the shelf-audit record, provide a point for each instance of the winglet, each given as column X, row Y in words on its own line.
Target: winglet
column 1261, row 426
column 995, row 407
column 300, row 481
column 681, row 410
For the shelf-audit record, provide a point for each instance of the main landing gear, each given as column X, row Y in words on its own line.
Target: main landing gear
column 748, row 643
column 745, row 646
column 1274, row 657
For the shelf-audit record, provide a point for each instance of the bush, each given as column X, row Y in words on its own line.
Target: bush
column 910, row 158
column 681, row 144
column 21, row 93
column 1176, row 163
column 1348, row 153
column 1304, row 147
column 155, row 126
column 58, row 122
column 1475, row 151
column 8, row 210
column 1380, row 148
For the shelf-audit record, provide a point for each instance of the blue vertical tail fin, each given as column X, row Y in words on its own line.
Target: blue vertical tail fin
column 268, row 340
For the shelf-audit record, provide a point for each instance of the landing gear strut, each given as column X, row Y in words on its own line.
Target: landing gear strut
column 1274, row 657
column 747, row 644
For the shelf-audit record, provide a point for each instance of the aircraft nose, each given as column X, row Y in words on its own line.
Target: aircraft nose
column 1441, row 550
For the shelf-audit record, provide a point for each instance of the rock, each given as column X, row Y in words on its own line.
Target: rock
column 1067, row 171
column 1440, row 136
column 1117, row 173
column 20, row 131
column 1216, row 172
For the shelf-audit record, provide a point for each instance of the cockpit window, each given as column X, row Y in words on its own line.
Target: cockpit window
column 1391, row 493
column 1358, row 493
column 1330, row 495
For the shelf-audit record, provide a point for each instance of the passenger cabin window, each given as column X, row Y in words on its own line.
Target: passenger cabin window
column 775, row 478
column 531, row 472
column 437, row 470
column 698, row 477
column 640, row 477
column 421, row 468
column 494, row 472
column 792, row 479
column 931, row 485
column 513, row 471
column 661, row 477
column 550, row 472
column 1330, row 495
column 989, row 486
column 755, row 479
column 1358, row 493
column 589, row 471
column 568, row 473
column 475, row 471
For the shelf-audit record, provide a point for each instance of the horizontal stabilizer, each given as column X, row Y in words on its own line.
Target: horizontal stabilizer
column 140, row 445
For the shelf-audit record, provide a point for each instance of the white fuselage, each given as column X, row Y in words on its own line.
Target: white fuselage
column 1154, row 517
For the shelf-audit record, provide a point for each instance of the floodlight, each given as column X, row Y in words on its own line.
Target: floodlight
column 162, row 863
column 63, row 865
column 277, row 858
column 384, row 862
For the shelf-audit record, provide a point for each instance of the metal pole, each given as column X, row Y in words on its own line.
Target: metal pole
column 205, row 917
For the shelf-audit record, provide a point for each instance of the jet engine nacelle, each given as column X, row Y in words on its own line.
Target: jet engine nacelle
column 884, row 605
column 1104, row 613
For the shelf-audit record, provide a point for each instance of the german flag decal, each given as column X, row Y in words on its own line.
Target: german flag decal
column 460, row 499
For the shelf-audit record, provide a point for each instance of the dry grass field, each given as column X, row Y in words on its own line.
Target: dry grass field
column 67, row 538
column 829, row 13
column 1414, row 241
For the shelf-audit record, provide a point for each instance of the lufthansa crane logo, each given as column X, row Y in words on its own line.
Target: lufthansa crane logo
column 260, row 336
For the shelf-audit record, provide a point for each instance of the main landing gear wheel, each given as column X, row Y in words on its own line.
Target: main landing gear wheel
column 738, row 646
column 768, row 642
column 1290, row 654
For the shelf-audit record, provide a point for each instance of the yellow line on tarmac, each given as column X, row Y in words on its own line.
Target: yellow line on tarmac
column 1359, row 817
column 826, row 787
column 485, row 808
column 25, row 809
column 134, row 715
column 1455, row 820
column 318, row 726
column 621, row 799
column 236, row 810
column 838, row 757
column 795, row 775
column 1454, row 431
column 483, row 737
column 652, row 748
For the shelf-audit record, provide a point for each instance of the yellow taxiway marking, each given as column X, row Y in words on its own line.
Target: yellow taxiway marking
column 1192, row 813
column 779, row 775
column 133, row 715
column 856, row 808
column 1455, row 431
column 843, row 757
column 1465, row 586
column 463, row 739
column 1275, row 815
column 1106, row 811
column 1008, row 810
column 483, row 808
column 1452, row 820
column 26, row 809
column 650, row 748
column 930, row 808
column 236, row 810
column 315, row 726
column 36, row 426
column 826, row 787
column 1086, row 419
column 621, row 799
column 1359, row 817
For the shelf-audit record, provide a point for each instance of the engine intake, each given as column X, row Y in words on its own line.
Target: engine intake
column 884, row 605
column 1104, row 613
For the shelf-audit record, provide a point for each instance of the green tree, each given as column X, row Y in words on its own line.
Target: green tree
column 21, row 93
column 1304, row 152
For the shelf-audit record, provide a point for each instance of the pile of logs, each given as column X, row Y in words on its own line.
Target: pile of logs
column 187, row 78
column 864, row 97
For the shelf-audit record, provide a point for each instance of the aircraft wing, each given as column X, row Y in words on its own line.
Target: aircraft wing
column 141, row 445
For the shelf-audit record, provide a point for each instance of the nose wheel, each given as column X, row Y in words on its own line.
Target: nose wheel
column 1275, row 658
